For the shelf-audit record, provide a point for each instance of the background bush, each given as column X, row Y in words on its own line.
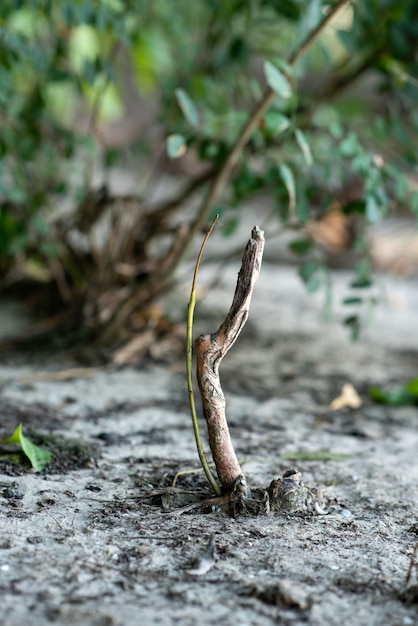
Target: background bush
column 87, row 85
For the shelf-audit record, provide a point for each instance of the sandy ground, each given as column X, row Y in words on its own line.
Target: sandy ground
column 95, row 540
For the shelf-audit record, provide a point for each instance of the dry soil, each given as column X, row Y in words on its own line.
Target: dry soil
column 95, row 540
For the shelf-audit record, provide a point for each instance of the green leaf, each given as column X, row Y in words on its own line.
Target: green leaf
column 350, row 146
column 325, row 116
column 399, row 396
column 176, row 146
column 39, row 225
column 361, row 283
column 373, row 212
column 406, row 395
column 304, row 146
column 302, row 207
column 414, row 203
column 275, row 123
column 353, row 322
column 412, row 386
column 315, row 455
column 301, row 246
column 39, row 458
column 188, row 107
column 310, row 17
column 310, row 274
column 347, row 39
column 400, row 181
column 350, row 301
column 285, row 67
column 277, row 80
column 363, row 277
column 289, row 182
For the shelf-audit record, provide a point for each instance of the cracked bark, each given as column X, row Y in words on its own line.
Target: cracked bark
column 211, row 349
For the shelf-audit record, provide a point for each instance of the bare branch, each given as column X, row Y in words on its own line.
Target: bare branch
column 211, row 349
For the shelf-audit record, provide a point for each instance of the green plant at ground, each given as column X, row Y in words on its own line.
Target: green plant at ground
column 17, row 443
column 189, row 368
column 310, row 103
column 405, row 395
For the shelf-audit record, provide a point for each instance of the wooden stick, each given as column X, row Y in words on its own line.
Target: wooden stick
column 211, row 349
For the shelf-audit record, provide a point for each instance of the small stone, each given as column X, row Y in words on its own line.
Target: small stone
column 34, row 540
column 287, row 494
column 93, row 487
column 13, row 492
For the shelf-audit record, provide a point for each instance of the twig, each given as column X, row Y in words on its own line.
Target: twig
column 186, row 473
column 70, row 374
column 211, row 349
column 158, row 211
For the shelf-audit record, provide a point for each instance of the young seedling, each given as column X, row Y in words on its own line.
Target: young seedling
column 189, row 335
column 38, row 457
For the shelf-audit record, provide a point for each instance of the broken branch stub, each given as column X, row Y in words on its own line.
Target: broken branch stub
column 211, row 349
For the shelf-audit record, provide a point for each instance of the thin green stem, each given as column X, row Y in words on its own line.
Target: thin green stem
column 190, row 313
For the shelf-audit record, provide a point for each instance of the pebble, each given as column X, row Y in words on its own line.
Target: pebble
column 13, row 493
column 341, row 511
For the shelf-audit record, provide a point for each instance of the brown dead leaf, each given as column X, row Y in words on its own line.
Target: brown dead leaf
column 333, row 230
column 348, row 398
column 397, row 251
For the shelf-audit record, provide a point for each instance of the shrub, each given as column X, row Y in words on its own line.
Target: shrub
column 268, row 97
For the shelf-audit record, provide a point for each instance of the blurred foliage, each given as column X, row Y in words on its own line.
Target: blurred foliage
column 407, row 395
column 344, row 117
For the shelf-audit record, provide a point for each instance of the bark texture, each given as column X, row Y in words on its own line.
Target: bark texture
column 211, row 349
